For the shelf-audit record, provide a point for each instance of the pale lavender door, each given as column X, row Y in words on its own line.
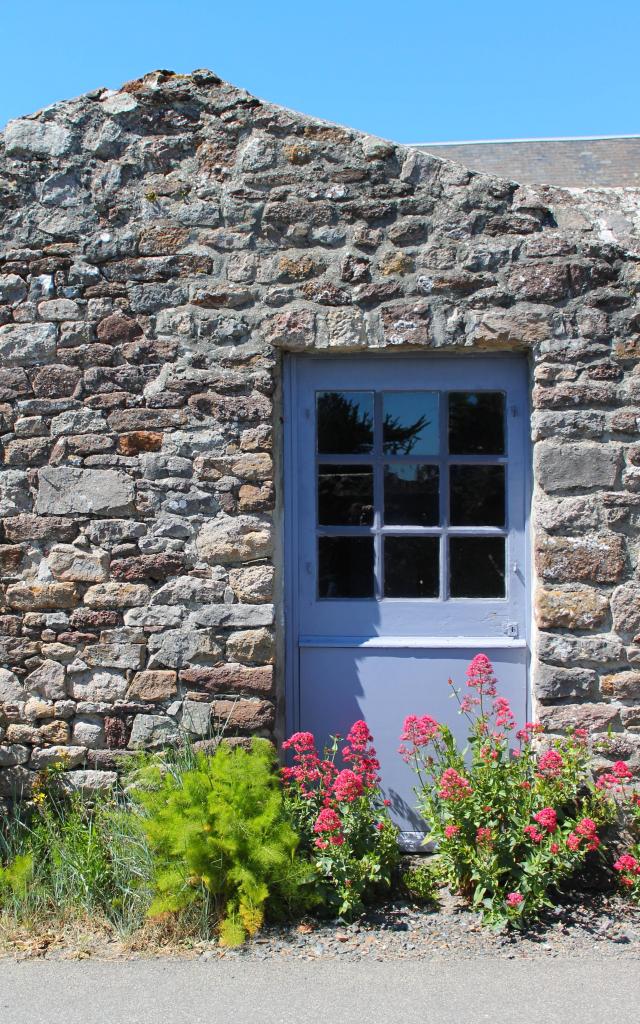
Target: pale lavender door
column 407, row 493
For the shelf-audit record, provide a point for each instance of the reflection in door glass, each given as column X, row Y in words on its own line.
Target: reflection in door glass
column 477, row 566
column 345, row 567
column 476, row 422
column 345, row 422
column 345, row 495
column 477, row 495
column 411, row 567
column 410, row 423
column 411, row 494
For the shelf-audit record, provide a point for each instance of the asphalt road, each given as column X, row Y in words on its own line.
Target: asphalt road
column 268, row 992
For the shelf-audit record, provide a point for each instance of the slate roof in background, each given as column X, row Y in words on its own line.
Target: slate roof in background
column 575, row 163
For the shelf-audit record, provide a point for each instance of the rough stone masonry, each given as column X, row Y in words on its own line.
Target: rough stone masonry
column 160, row 248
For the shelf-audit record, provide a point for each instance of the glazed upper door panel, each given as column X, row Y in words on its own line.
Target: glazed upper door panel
column 411, row 497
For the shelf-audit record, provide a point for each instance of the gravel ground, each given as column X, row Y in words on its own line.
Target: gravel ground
column 593, row 926
column 596, row 927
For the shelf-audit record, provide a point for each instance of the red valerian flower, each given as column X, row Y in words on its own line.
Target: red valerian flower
column 328, row 827
column 547, row 819
column 451, row 830
column 554, row 848
column 533, row 833
column 301, row 742
column 586, row 830
column 488, row 754
column 550, row 764
column 360, row 753
column 607, row 781
column 484, row 836
column 627, row 863
column 418, row 731
column 619, row 774
column 573, row 842
column 514, row 899
column 347, row 786
column 480, row 676
column 504, row 715
column 453, row 786
column 529, row 730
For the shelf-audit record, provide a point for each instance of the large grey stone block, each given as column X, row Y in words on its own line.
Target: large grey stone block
column 565, row 467
column 565, row 649
column 89, row 781
column 231, row 540
column 103, row 686
column 15, row 496
column 233, row 615
column 11, row 689
column 48, row 681
column 36, row 138
column 152, row 732
column 64, row 490
column 552, row 683
column 625, row 608
column 27, row 344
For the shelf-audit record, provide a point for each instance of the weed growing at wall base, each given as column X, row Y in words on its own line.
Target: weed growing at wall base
column 68, row 857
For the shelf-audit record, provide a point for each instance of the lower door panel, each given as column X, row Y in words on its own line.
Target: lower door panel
column 340, row 684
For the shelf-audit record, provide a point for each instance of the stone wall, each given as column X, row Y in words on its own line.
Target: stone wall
column 160, row 247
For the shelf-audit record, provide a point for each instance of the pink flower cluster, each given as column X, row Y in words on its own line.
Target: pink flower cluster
column 328, row 827
column 528, row 731
column 586, row 831
column 450, row 831
column 615, row 779
column 453, row 786
column 534, row 834
column 505, row 718
column 309, row 771
column 629, row 869
column 318, row 779
column 547, row 819
column 360, row 753
column 347, row 786
column 484, row 836
column 418, row 731
column 480, row 676
column 550, row 765
column 514, row 899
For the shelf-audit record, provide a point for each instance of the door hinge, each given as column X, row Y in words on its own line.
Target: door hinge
column 515, row 411
column 511, row 629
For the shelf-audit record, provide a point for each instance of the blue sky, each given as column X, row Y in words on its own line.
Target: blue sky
column 413, row 71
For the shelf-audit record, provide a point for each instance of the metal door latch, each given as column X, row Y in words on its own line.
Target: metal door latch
column 510, row 629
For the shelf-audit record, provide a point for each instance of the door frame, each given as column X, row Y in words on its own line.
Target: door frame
column 290, row 547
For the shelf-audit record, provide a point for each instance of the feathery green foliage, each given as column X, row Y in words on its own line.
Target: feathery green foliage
column 220, row 837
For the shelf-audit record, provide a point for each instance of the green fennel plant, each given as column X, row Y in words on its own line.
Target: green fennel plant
column 220, row 839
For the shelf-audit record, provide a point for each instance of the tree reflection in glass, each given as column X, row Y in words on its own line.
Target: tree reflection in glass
column 345, row 422
column 410, row 423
